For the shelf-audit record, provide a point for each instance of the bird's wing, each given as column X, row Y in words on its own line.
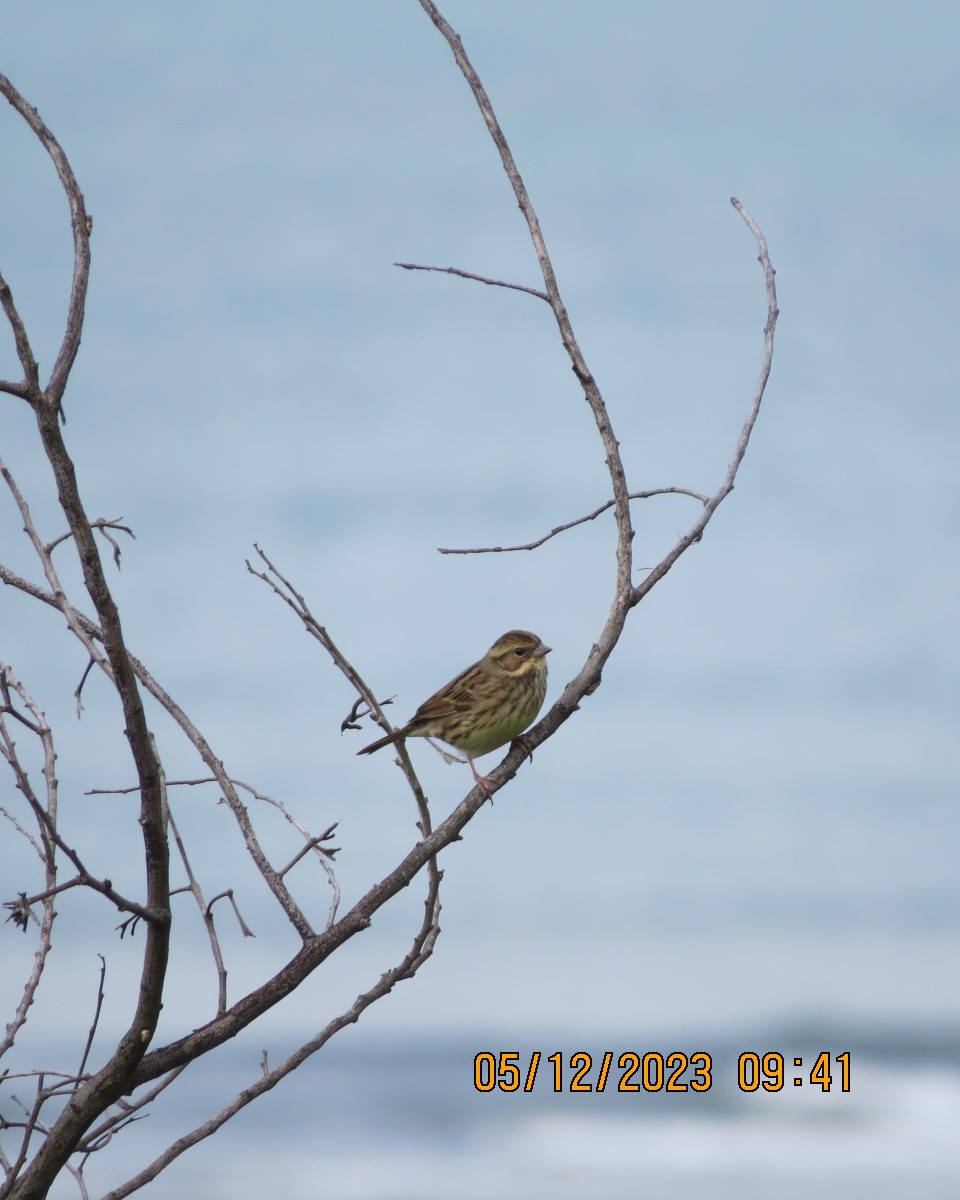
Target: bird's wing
column 458, row 696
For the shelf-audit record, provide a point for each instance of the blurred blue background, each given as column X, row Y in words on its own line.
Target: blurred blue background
column 746, row 840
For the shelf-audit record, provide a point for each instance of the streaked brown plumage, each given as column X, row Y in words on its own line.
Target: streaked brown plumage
column 488, row 704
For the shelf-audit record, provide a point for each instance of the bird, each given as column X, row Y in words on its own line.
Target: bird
column 487, row 705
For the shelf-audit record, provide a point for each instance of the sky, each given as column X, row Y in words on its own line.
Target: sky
column 753, row 822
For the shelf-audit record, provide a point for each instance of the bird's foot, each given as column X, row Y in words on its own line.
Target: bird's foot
column 521, row 743
column 483, row 781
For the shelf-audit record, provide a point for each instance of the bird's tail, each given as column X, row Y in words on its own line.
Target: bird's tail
column 386, row 741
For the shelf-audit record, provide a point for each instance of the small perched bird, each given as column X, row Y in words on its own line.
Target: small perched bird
column 487, row 705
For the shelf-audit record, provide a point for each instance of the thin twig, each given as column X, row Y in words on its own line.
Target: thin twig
column 78, row 690
column 96, row 1020
column 60, row 600
column 77, row 1173
column 515, row 287
column 127, row 791
column 228, row 895
column 29, row 389
column 283, row 588
column 31, row 1126
column 103, row 525
column 695, row 532
column 312, row 843
column 45, row 846
column 24, row 832
column 663, row 491
column 26, row 901
column 323, row 857
column 98, row 1135
column 80, row 224
column 89, row 633
column 6, row 679
column 84, row 877
column 205, row 908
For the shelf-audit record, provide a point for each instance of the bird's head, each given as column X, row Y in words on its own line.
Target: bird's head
column 517, row 653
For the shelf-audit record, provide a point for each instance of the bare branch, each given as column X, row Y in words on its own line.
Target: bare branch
column 100, row 1134
column 591, row 391
column 587, row 680
column 78, row 690
column 315, row 844
column 24, row 832
column 80, row 224
column 312, row 843
column 126, row 791
column 696, row 531
column 85, row 879
column 30, row 1126
column 580, row 521
column 44, row 847
column 283, row 588
column 213, row 763
column 15, row 389
column 12, row 579
column 48, row 828
column 208, row 921
column 103, row 525
column 323, row 855
column 29, row 389
column 7, row 706
column 420, row 951
column 96, row 1019
column 77, row 1173
column 89, row 634
column 516, row 287
column 111, row 1081
column 58, row 593
column 26, row 902
column 228, row 895
column 205, row 910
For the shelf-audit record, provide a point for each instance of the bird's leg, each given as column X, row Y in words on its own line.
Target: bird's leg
column 447, row 757
column 483, row 781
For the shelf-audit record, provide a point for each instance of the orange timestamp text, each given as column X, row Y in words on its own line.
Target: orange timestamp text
column 654, row 1071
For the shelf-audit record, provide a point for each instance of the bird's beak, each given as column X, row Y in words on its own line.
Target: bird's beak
column 541, row 650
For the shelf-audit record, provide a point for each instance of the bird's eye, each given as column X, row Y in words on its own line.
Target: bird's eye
column 521, row 650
